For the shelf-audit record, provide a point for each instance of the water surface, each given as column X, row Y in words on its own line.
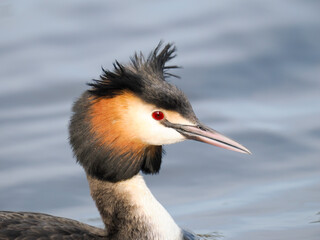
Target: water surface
column 250, row 68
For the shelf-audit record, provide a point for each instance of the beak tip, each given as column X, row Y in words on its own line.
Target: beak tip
column 245, row 150
column 248, row 152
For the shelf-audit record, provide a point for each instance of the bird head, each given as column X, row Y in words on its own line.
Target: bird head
column 120, row 124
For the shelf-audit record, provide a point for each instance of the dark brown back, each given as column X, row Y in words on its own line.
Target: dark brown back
column 27, row 226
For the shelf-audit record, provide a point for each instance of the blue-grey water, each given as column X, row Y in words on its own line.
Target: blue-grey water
column 250, row 68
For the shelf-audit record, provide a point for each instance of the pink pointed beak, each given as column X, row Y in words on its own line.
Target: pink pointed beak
column 207, row 135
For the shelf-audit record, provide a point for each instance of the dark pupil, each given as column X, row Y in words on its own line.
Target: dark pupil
column 158, row 115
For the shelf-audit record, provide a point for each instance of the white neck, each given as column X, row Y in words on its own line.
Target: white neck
column 142, row 211
column 149, row 208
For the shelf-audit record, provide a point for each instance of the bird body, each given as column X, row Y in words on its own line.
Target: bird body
column 117, row 129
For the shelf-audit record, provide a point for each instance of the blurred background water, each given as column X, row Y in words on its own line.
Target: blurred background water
column 250, row 68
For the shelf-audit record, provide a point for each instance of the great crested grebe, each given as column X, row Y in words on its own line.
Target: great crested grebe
column 118, row 128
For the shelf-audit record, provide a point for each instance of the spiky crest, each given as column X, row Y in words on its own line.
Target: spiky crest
column 135, row 76
column 146, row 78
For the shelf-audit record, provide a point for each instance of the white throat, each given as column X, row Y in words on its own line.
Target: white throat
column 148, row 208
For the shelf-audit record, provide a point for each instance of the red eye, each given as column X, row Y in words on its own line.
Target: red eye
column 158, row 115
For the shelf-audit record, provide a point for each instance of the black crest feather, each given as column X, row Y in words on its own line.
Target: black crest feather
column 147, row 79
column 134, row 77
